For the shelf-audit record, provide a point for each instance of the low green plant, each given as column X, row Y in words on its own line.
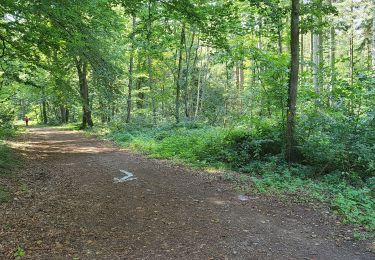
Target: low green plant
column 19, row 253
column 355, row 204
column 4, row 195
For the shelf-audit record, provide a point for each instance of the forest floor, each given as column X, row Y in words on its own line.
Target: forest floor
column 66, row 205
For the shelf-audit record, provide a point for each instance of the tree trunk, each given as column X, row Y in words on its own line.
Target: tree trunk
column 139, row 83
column 44, row 109
column 193, row 69
column 62, row 114
column 242, row 75
column 131, row 63
column 44, row 106
column 179, row 74
column 84, row 93
column 149, row 64
column 280, row 38
column 186, row 81
column 351, row 46
column 198, row 87
column 237, row 74
column 302, row 56
column 332, row 62
column 316, row 66
column 291, row 150
column 66, row 115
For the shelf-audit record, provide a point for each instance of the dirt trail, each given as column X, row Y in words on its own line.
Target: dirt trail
column 70, row 208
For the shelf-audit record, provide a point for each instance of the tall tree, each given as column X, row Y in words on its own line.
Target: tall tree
column 291, row 150
column 81, row 66
column 179, row 73
column 131, row 65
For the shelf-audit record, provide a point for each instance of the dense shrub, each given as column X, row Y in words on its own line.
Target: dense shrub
column 6, row 116
column 198, row 144
column 339, row 143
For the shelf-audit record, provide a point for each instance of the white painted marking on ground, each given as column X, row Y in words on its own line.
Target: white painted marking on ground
column 128, row 177
column 243, row 197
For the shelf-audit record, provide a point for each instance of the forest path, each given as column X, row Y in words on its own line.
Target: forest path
column 70, row 208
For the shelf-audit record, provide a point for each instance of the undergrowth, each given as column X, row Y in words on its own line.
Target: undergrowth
column 8, row 159
column 257, row 155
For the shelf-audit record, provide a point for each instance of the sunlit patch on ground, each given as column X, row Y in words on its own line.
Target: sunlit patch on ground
column 38, row 144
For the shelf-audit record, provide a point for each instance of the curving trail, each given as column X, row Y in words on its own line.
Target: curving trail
column 70, row 207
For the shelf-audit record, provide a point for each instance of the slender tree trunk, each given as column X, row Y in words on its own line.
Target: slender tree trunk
column 205, row 79
column 321, row 66
column 186, row 81
column 44, row 109
column 44, row 106
column 193, row 70
column 242, row 75
column 131, row 64
column 351, row 56
column 332, row 57
column 149, row 64
column 237, row 74
column 280, row 38
column 369, row 57
column 151, row 87
column 67, row 112
column 302, row 55
column 198, row 87
column 229, row 71
column 291, row 150
column 179, row 74
column 351, row 46
column 316, row 66
column 139, row 83
column 84, row 92
column 242, row 81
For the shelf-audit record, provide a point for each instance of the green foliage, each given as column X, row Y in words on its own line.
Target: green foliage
column 333, row 142
column 6, row 116
column 19, row 253
column 4, row 195
column 355, row 204
column 8, row 159
column 196, row 144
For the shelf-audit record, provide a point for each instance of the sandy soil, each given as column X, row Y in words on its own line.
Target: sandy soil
column 67, row 206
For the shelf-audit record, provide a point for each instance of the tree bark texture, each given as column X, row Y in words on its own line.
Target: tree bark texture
column 291, row 150
column 81, row 66
column 131, row 64
column 179, row 74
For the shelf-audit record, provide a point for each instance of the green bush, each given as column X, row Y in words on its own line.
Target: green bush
column 357, row 205
column 196, row 144
column 6, row 116
column 338, row 143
